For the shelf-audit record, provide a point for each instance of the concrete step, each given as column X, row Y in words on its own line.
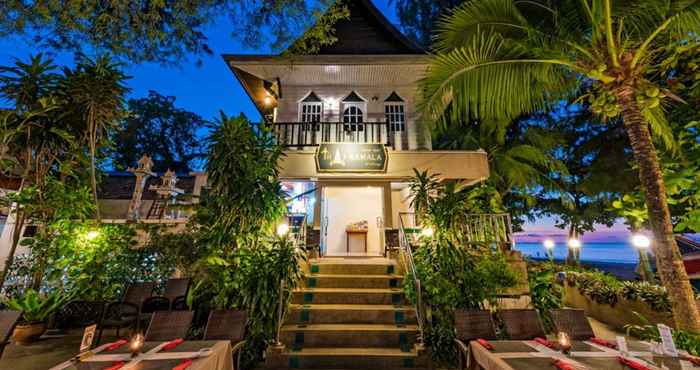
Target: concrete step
column 350, row 314
column 353, row 266
column 349, row 335
column 348, row 358
column 384, row 281
column 391, row 296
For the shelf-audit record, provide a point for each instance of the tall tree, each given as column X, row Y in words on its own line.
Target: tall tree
column 94, row 93
column 500, row 58
column 158, row 31
column 171, row 136
column 419, row 17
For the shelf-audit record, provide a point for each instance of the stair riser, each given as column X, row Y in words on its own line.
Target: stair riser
column 353, row 269
column 347, row 362
column 359, row 283
column 296, row 316
column 349, row 339
column 396, row 298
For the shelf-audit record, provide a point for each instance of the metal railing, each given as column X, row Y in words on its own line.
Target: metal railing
column 410, row 268
column 304, row 134
column 493, row 229
column 297, row 233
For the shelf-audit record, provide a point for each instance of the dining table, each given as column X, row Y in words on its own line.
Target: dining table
column 584, row 355
column 180, row 355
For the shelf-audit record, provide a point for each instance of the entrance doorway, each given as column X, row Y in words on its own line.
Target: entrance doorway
column 352, row 222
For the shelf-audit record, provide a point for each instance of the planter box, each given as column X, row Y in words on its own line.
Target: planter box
column 616, row 316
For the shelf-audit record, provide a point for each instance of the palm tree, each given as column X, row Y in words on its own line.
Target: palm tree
column 95, row 91
column 500, row 58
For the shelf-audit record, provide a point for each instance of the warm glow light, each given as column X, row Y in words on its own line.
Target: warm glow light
column 564, row 341
column 549, row 244
column 267, row 100
column 282, row 229
column 427, row 232
column 574, row 243
column 92, row 234
column 641, row 241
column 136, row 343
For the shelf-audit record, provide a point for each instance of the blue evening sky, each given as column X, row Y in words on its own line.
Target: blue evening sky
column 210, row 87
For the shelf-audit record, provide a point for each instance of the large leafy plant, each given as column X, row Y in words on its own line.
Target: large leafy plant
column 35, row 307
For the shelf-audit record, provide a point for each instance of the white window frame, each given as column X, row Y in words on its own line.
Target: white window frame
column 398, row 125
column 354, row 126
column 301, row 116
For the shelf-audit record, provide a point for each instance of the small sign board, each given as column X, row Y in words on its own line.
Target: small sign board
column 88, row 337
column 351, row 157
column 667, row 340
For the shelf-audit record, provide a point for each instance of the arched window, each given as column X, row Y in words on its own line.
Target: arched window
column 353, row 112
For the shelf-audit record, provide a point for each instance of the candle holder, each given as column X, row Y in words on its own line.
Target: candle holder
column 564, row 342
column 136, row 344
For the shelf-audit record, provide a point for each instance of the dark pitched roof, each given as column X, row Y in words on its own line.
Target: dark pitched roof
column 368, row 32
column 120, row 186
column 312, row 98
column 394, row 97
column 353, row 98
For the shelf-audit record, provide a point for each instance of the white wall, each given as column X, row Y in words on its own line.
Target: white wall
column 345, row 205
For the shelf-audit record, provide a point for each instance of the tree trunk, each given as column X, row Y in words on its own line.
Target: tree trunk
column 669, row 263
column 92, row 137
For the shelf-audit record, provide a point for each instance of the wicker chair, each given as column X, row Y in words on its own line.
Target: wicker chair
column 8, row 320
column 573, row 322
column 79, row 314
column 521, row 324
column 169, row 325
column 173, row 297
column 228, row 325
column 470, row 325
column 126, row 313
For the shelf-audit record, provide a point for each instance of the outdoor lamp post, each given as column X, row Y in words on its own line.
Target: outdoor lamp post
column 575, row 246
column 549, row 247
column 642, row 243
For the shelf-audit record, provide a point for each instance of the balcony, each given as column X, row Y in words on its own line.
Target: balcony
column 302, row 134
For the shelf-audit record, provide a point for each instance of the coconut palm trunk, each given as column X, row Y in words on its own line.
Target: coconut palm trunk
column 669, row 262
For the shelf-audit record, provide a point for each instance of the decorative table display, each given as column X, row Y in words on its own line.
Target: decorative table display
column 176, row 355
column 356, row 235
column 592, row 355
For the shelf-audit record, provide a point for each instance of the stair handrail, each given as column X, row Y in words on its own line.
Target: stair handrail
column 410, row 267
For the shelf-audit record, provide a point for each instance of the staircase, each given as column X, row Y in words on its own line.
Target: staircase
column 350, row 314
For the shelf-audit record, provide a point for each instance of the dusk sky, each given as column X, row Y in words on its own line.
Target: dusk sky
column 210, row 87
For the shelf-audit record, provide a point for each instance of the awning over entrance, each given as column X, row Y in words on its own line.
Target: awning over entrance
column 467, row 166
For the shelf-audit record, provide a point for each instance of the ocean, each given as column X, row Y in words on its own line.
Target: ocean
column 595, row 252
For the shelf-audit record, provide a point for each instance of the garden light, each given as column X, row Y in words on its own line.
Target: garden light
column 92, row 234
column 641, row 241
column 427, row 232
column 574, row 243
column 549, row 244
column 282, row 229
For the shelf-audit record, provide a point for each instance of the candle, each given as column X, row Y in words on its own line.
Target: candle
column 136, row 344
column 564, row 342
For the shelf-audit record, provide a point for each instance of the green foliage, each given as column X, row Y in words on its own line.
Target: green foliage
column 35, row 307
column 646, row 331
column 545, row 293
column 606, row 289
column 249, row 278
column 244, row 197
column 455, row 277
column 168, row 134
column 176, row 249
column 419, row 17
column 322, row 33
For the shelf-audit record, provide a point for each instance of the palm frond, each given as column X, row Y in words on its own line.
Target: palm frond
column 660, row 128
column 491, row 79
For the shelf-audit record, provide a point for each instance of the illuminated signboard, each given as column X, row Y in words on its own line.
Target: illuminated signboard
column 351, row 157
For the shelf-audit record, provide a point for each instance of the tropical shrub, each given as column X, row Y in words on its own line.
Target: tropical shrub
column 606, row 289
column 646, row 331
column 455, row 277
column 35, row 307
column 545, row 293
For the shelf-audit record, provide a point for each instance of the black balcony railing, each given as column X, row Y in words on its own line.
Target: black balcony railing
column 302, row 134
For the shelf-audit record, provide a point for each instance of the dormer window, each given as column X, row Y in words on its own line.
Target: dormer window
column 311, row 109
column 353, row 112
column 394, row 112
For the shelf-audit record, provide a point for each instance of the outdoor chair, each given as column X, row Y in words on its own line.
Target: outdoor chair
column 126, row 313
column 8, row 321
column 470, row 325
column 228, row 325
column 521, row 324
column 79, row 314
column 169, row 325
column 173, row 298
column 573, row 322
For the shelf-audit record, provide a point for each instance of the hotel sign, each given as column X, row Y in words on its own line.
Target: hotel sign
column 351, row 157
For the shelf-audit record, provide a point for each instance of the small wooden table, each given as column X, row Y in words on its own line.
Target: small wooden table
column 359, row 236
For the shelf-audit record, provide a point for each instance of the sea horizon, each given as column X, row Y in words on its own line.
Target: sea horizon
column 594, row 251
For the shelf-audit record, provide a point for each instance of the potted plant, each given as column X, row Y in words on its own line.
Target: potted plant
column 36, row 308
